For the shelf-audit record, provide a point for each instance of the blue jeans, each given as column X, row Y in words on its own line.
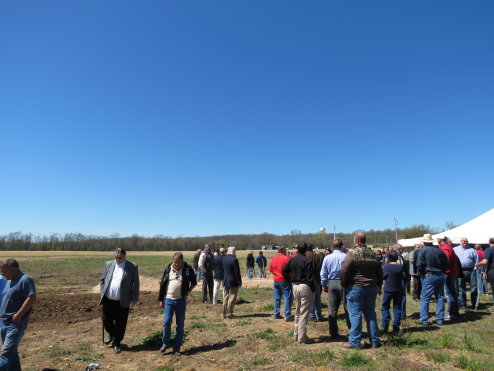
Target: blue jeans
column 397, row 298
column 285, row 289
column 261, row 272
column 362, row 300
column 432, row 285
column 452, row 293
column 470, row 277
column 250, row 272
column 11, row 337
column 315, row 312
column 178, row 307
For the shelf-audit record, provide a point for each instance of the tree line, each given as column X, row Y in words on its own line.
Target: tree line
column 79, row 242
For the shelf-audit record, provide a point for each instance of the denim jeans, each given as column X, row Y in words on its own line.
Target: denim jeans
column 362, row 300
column 315, row 312
column 452, row 292
column 261, row 273
column 285, row 289
column 250, row 272
column 11, row 337
column 432, row 285
column 178, row 307
column 470, row 277
column 397, row 298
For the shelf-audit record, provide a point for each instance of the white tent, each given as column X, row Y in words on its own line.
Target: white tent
column 477, row 230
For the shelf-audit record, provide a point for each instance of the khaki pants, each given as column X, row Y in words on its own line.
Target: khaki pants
column 229, row 300
column 303, row 298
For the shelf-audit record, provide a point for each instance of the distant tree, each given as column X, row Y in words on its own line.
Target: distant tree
column 450, row 225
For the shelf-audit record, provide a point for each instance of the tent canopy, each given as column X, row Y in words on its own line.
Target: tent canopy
column 477, row 230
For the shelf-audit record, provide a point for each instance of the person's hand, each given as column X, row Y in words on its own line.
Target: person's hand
column 484, row 276
column 16, row 317
column 161, row 304
column 134, row 302
column 325, row 289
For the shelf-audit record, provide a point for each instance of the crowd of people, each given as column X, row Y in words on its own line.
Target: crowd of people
column 352, row 278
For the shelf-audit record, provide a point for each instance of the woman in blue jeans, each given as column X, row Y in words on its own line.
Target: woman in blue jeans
column 178, row 280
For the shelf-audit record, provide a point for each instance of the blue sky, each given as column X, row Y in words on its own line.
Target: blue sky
column 187, row 118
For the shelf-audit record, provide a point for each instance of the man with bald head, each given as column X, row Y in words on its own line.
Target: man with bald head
column 362, row 276
column 468, row 258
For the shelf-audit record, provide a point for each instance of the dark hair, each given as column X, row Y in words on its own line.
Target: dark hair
column 302, row 247
column 12, row 263
column 392, row 256
column 337, row 243
column 281, row 250
column 491, row 240
column 260, row 252
column 310, row 247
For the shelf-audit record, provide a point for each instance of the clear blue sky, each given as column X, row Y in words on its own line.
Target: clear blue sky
column 187, row 118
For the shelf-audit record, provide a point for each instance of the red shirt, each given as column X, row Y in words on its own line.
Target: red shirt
column 454, row 263
column 276, row 265
column 480, row 253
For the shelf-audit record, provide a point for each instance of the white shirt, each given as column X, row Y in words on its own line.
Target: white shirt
column 113, row 292
column 175, row 279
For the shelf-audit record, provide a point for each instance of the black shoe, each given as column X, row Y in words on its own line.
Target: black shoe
column 163, row 349
column 423, row 324
column 307, row 341
column 375, row 346
column 108, row 340
column 116, row 349
column 278, row 317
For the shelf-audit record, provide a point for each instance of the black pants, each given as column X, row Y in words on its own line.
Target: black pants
column 207, row 285
column 114, row 319
column 417, row 287
column 336, row 297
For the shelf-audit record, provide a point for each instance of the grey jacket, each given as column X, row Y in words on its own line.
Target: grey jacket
column 129, row 287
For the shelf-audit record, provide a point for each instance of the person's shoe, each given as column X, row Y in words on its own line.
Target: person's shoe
column 288, row 319
column 462, row 307
column 350, row 346
column 307, row 341
column 439, row 323
column 384, row 329
column 108, row 340
column 396, row 331
column 277, row 317
column 163, row 348
column 375, row 346
column 422, row 323
column 116, row 349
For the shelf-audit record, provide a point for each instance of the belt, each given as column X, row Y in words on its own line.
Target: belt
column 467, row 269
column 428, row 274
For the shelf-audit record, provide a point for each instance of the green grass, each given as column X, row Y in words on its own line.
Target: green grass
column 354, row 359
column 207, row 325
column 84, row 351
column 268, row 334
column 54, row 352
column 266, row 308
column 438, row 357
column 165, row 368
column 447, row 341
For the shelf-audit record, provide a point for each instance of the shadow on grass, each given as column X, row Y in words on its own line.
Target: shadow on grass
column 253, row 315
column 242, row 301
column 206, row 348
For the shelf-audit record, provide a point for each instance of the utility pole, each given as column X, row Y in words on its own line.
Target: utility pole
column 334, row 231
column 396, row 229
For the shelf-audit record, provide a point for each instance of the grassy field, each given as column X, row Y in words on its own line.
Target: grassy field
column 253, row 340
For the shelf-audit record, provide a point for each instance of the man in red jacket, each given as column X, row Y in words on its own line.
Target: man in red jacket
column 281, row 286
column 450, row 278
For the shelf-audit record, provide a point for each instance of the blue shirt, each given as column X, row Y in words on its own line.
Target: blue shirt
column 14, row 294
column 331, row 267
column 393, row 276
column 489, row 256
column 468, row 256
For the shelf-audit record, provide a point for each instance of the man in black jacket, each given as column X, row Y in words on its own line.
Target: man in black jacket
column 178, row 280
column 299, row 271
column 232, row 281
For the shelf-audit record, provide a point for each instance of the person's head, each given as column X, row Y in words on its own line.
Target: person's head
column 282, row 250
column 417, row 246
column 178, row 260
column 477, row 247
column 337, row 244
column 251, row 252
column 222, row 251
column 427, row 240
column 360, row 238
column 392, row 256
column 464, row 241
column 302, row 247
column 310, row 247
column 260, row 252
column 10, row 269
column 491, row 241
column 208, row 247
column 120, row 255
column 232, row 250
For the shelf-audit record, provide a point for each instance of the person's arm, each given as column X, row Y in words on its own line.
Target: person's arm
column 237, row 272
column 324, row 275
column 285, row 271
column 25, row 307
column 482, row 262
column 345, row 270
column 193, row 281
column 202, row 259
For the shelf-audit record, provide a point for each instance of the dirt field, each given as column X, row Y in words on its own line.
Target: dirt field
column 65, row 328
